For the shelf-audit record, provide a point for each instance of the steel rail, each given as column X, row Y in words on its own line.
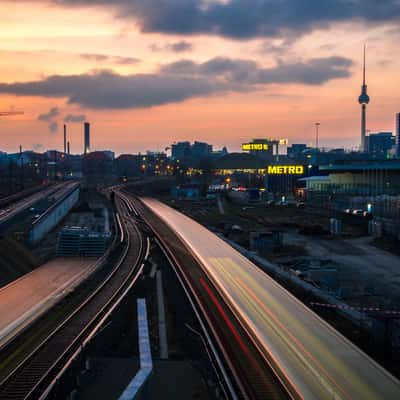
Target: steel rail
column 30, row 375
column 269, row 380
column 97, row 266
column 201, row 315
column 98, row 326
column 229, row 391
column 12, row 198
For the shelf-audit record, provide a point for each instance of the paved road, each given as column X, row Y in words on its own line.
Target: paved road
column 28, row 297
column 308, row 355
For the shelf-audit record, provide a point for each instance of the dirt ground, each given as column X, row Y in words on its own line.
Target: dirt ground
column 375, row 269
column 371, row 275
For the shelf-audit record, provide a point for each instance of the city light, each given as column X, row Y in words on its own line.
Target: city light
column 254, row 146
column 285, row 169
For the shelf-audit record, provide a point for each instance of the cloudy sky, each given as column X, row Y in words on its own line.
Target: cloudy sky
column 147, row 73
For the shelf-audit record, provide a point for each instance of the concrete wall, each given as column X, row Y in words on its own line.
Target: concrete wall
column 53, row 215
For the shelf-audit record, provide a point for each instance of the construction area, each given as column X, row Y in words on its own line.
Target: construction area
column 83, row 228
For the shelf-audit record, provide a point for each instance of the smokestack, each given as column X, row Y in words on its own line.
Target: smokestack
column 398, row 134
column 65, row 139
column 68, row 148
column 86, row 148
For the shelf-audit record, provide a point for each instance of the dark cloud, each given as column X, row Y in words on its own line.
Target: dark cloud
column 75, row 118
column 105, row 89
column 110, row 59
column 126, row 60
column 243, row 19
column 177, row 47
column 49, row 117
column 232, row 70
column 52, row 113
column 178, row 81
column 313, row 72
column 53, row 127
column 181, row 67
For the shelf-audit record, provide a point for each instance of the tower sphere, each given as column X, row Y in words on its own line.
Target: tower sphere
column 363, row 98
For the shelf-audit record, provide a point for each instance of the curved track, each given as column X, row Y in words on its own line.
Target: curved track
column 245, row 373
column 262, row 328
column 32, row 376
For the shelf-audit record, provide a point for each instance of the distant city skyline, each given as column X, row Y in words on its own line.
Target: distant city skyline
column 145, row 80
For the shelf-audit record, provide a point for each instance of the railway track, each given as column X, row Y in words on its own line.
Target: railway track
column 33, row 375
column 4, row 201
column 242, row 368
column 12, row 209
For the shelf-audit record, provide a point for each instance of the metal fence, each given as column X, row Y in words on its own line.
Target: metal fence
column 385, row 208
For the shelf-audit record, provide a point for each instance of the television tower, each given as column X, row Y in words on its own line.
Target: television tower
column 363, row 99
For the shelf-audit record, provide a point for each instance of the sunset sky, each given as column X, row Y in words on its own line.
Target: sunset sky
column 147, row 73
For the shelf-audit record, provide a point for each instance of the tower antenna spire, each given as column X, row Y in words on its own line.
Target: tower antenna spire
column 364, row 67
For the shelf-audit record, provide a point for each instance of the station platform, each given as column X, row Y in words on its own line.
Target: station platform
column 28, row 297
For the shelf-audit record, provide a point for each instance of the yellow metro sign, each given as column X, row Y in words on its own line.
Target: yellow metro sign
column 285, row 169
column 254, row 147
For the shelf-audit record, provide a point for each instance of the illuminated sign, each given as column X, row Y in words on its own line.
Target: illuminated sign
column 254, row 147
column 285, row 169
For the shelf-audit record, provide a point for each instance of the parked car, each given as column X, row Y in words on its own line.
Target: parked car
column 359, row 213
column 282, row 203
